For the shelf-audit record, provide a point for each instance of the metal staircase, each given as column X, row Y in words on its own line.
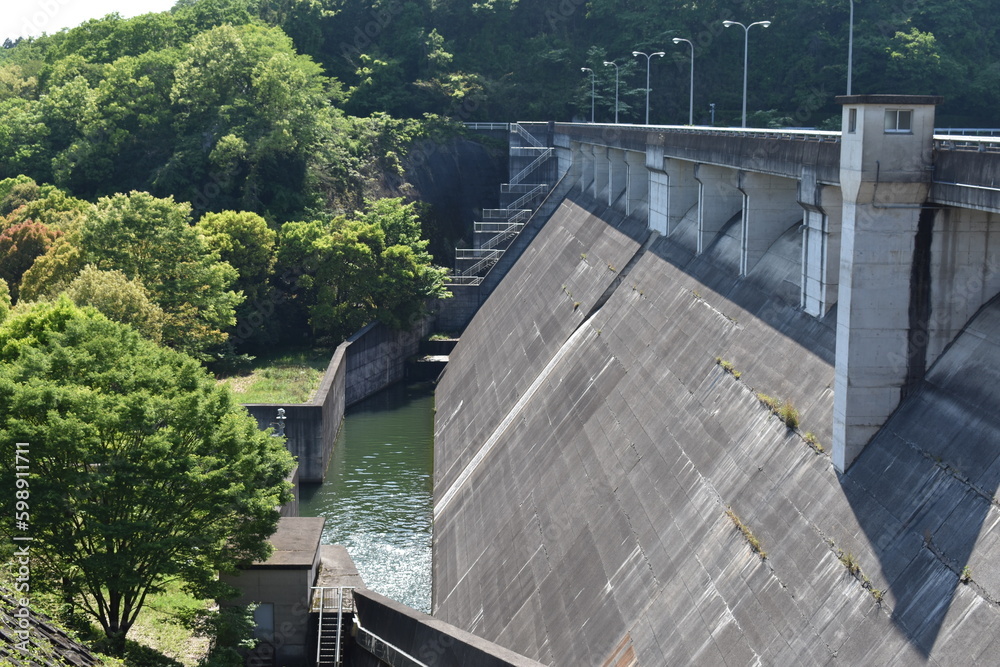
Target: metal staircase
column 335, row 606
column 499, row 227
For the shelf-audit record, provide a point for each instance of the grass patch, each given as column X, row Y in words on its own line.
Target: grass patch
column 813, row 442
column 853, row 568
column 286, row 377
column 163, row 626
column 785, row 411
column 747, row 533
column 728, row 367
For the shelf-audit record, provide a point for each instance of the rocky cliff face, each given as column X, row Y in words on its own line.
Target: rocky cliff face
column 456, row 179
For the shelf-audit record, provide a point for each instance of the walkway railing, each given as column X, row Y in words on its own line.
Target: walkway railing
column 954, row 142
column 504, row 224
column 520, row 176
column 384, row 651
column 487, row 126
column 524, row 134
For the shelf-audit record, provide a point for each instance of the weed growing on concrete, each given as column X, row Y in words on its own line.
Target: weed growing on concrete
column 853, row 567
column 576, row 304
column 583, row 256
column 966, row 575
column 813, row 442
column 850, row 562
column 788, row 414
column 612, row 269
column 785, row 411
column 747, row 534
column 728, row 367
column 696, row 294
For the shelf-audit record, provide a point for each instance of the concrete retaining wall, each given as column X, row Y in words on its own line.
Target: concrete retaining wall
column 369, row 361
column 588, row 446
column 311, row 428
column 376, row 357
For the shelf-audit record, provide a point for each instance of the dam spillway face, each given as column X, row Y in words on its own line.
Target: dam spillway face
column 632, row 467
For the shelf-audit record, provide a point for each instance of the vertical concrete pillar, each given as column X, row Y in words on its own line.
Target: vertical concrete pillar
column 658, row 189
column 883, row 303
column 769, row 209
column 617, row 177
column 820, row 243
column 578, row 171
column 602, row 172
column 637, row 183
column 718, row 200
column 586, row 155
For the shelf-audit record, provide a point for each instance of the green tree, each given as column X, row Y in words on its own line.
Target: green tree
column 352, row 271
column 152, row 240
column 4, row 300
column 52, row 272
column 143, row 469
column 119, row 299
column 244, row 241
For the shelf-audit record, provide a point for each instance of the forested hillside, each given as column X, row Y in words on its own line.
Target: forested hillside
column 302, row 112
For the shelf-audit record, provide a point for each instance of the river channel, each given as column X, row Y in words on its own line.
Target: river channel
column 377, row 496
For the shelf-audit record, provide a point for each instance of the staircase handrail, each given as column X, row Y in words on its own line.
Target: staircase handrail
column 524, row 134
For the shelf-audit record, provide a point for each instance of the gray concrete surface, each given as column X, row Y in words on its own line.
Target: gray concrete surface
column 586, row 454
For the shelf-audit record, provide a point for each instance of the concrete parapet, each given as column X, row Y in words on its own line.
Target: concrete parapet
column 429, row 640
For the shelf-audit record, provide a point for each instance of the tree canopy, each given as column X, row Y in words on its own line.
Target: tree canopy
column 142, row 467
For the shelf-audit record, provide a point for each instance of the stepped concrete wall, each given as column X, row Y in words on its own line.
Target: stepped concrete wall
column 588, row 446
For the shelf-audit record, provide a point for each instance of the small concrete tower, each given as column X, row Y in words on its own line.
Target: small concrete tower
column 885, row 174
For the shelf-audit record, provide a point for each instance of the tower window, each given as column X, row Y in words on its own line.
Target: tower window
column 899, row 120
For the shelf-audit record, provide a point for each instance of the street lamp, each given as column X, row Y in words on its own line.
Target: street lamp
column 850, row 49
column 678, row 40
column 606, row 63
column 587, row 69
column 648, row 58
column 746, row 41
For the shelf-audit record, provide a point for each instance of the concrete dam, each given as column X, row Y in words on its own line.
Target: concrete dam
column 735, row 402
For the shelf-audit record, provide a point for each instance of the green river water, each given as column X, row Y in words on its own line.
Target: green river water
column 377, row 494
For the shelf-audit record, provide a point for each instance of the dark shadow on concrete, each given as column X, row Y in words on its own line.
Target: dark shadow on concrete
column 763, row 292
column 923, row 489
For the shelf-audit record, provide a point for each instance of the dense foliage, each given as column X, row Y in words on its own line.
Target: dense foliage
column 143, row 468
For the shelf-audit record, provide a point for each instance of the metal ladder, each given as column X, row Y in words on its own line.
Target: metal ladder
column 332, row 602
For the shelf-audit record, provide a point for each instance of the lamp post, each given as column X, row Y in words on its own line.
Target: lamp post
column 648, row 59
column 678, row 40
column 587, row 69
column 850, row 49
column 746, row 42
column 606, row 63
